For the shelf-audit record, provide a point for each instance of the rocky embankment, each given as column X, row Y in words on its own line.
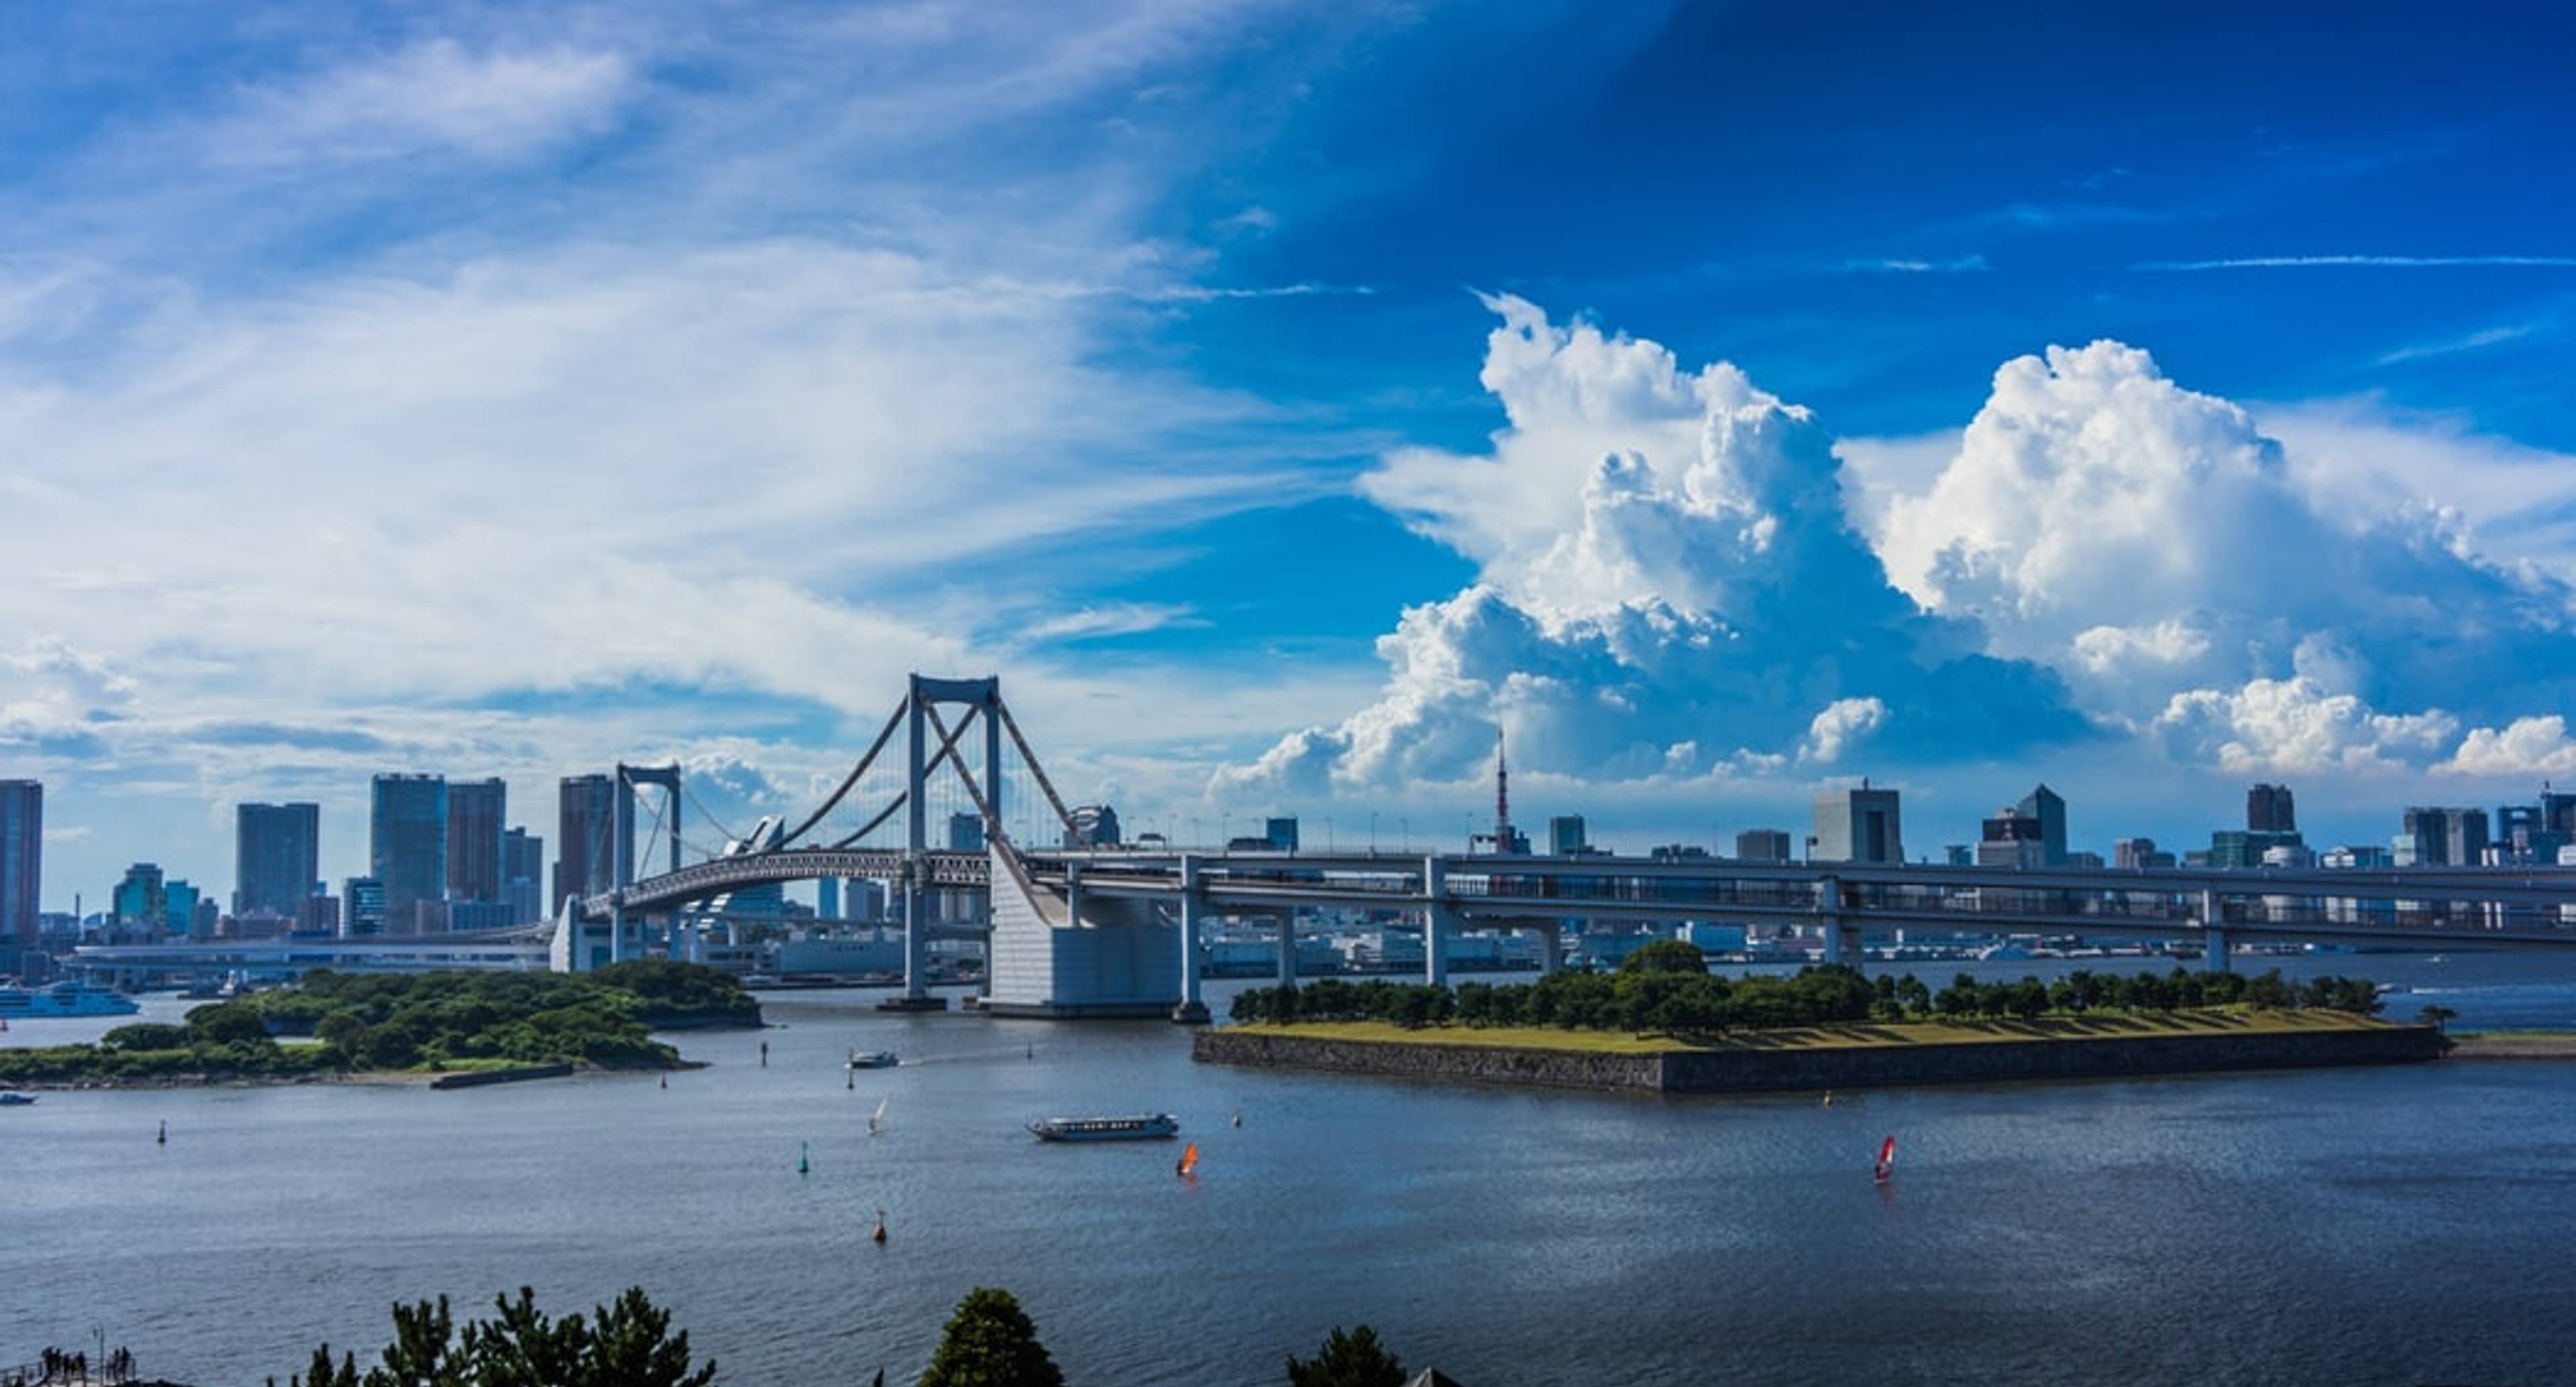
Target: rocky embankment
column 1729, row 1069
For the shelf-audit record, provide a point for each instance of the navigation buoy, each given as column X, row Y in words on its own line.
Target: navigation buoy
column 666, row 1081
column 164, row 1138
column 849, row 1081
column 879, row 1236
column 764, row 1054
column 803, row 1166
column 1238, row 1117
column 1829, row 1098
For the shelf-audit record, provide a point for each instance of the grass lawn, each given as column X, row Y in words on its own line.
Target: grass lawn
column 1855, row 1035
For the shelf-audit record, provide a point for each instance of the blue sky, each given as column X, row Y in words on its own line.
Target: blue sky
column 1282, row 398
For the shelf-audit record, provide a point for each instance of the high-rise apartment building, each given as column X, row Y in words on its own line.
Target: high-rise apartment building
column 585, row 821
column 1858, row 825
column 1762, row 845
column 2135, row 854
column 1282, row 833
column 22, row 870
column 277, row 858
column 2270, row 809
column 407, row 843
column 478, row 813
column 523, row 875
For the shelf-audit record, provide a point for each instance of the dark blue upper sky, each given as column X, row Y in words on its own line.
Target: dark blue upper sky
column 1139, row 347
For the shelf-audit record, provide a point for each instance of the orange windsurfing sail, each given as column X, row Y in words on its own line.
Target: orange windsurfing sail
column 1189, row 1159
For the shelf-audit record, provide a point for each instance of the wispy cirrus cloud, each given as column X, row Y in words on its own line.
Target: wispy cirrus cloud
column 2400, row 262
column 2487, row 337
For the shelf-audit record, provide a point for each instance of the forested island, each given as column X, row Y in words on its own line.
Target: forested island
column 1663, row 1022
column 341, row 1025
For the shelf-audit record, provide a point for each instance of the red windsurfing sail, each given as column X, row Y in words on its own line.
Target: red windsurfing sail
column 1886, row 1158
column 1189, row 1160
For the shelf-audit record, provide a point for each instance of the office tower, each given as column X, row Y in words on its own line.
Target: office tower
column 2269, row 809
column 523, row 875
column 1565, row 836
column 2558, row 813
column 179, row 901
column 2046, row 808
column 1858, row 825
column 1281, row 832
column 2011, row 838
column 478, row 812
column 1762, row 845
column 965, row 832
column 277, row 858
column 138, row 904
column 22, row 867
column 827, row 898
column 2442, row 838
column 585, row 820
column 362, row 907
column 2130, row 854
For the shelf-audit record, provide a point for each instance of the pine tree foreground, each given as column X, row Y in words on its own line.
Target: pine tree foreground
column 991, row 1342
column 1355, row 1359
column 624, row 1344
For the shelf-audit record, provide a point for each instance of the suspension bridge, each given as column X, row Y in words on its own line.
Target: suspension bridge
column 1091, row 928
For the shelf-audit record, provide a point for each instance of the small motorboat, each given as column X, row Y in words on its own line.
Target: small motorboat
column 873, row 1059
column 16, row 1100
column 1147, row 1127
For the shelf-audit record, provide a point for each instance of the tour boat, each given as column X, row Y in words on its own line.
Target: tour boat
column 872, row 1059
column 64, row 999
column 1145, row 1128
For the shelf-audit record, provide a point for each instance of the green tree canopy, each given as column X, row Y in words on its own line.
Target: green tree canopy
column 1355, row 1359
column 991, row 1342
column 1665, row 956
column 627, row 1343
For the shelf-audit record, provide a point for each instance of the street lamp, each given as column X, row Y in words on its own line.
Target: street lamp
column 1372, row 833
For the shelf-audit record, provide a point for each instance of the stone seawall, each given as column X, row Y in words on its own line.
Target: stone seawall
column 1851, row 1067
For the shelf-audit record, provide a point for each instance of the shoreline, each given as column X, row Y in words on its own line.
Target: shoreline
column 2513, row 1045
column 380, row 1078
column 1859, row 1056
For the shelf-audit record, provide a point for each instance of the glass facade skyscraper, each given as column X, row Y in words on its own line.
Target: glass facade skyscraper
column 407, row 844
column 477, row 813
column 277, row 858
column 22, row 866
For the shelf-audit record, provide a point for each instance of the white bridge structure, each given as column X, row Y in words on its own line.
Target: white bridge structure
column 1094, row 930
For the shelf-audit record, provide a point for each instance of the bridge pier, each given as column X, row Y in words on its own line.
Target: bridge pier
column 1551, row 946
column 1288, row 947
column 1438, row 923
column 1842, row 941
column 1192, row 1010
column 2213, row 936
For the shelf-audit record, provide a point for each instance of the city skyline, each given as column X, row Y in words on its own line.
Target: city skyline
column 2149, row 456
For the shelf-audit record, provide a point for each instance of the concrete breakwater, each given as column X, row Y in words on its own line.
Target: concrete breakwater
column 480, row 1078
column 1733, row 1069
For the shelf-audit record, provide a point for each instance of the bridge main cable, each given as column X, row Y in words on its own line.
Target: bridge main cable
column 789, row 839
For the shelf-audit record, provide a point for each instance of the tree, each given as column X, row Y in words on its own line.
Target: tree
column 146, row 1035
column 1355, row 1359
column 1665, row 956
column 2439, row 1015
column 991, row 1342
column 624, row 1344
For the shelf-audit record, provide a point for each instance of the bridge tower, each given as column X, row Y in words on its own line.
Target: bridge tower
column 982, row 699
column 622, row 845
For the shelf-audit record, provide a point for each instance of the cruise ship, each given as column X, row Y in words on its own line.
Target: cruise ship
column 63, row 999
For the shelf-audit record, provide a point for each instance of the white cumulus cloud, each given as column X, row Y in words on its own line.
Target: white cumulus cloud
column 1668, row 586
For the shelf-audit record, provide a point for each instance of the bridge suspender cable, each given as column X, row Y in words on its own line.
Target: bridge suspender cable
column 871, row 825
column 789, row 840
column 1029, row 758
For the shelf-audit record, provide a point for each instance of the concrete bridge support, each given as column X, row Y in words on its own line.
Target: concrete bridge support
column 1192, row 1010
column 1842, row 938
column 2213, row 936
column 1439, row 923
column 1551, row 946
column 1288, row 948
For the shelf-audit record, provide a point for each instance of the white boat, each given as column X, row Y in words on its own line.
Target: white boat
column 1148, row 1127
column 873, row 1059
column 64, row 999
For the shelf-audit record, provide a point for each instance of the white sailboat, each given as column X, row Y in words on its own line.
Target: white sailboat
column 876, row 1120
